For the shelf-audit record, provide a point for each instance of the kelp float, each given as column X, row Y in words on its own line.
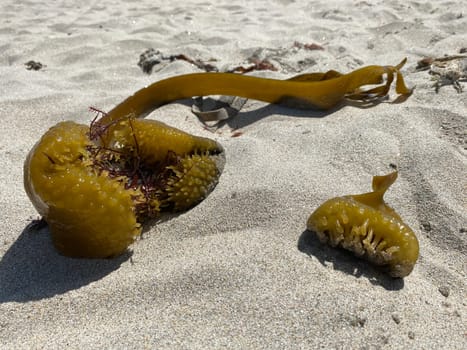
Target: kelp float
column 367, row 226
column 97, row 185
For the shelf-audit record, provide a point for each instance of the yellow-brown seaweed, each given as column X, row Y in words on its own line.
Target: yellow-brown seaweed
column 96, row 185
column 367, row 226
column 95, row 198
column 315, row 90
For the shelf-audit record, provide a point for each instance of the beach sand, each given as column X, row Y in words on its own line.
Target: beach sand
column 240, row 270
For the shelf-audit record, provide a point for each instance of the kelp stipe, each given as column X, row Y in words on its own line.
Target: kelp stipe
column 315, row 90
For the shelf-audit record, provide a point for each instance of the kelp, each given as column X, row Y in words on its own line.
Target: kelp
column 97, row 185
column 314, row 90
column 367, row 226
column 96, row 198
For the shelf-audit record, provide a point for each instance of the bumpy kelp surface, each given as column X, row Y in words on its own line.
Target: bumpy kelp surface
column 95, row 186
column 95, row 197
column 367, row 226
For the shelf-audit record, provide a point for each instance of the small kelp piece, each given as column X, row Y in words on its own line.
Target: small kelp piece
column 95, row 196
column 367, row 226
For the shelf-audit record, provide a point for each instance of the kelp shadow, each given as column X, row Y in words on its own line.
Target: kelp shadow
column 345, row 261
column 246, row 118
column 32, row 269
column 241, row 119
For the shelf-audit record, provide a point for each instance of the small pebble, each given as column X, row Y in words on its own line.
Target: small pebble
column 444, row 290
column 396, row 318
column 411, row 335
column 358, row 321
column 426, row 226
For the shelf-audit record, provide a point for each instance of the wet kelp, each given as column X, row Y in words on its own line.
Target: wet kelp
column 96, row 185
column 367, row 226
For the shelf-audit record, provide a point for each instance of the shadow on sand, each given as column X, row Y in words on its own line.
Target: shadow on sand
column 345, row 261
column 32, row 269
column 240, row 119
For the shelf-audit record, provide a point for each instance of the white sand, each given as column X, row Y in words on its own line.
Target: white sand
column 239, row 271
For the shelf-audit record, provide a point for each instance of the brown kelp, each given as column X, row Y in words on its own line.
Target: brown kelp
column 95, row 186
column 367, row 226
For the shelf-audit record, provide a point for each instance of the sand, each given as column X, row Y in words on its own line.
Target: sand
column 240, row 270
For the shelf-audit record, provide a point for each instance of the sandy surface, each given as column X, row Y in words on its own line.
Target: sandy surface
column 239, row 270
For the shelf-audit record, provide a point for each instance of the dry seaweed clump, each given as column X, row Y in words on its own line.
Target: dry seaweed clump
column 448, row 70
column 367, row 226
column 34, row 65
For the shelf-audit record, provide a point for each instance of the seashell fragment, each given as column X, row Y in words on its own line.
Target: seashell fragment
column 367, row 226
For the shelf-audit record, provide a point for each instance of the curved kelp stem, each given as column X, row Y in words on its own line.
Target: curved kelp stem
column 316, row 90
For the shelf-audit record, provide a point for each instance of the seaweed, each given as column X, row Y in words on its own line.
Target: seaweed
column 95, row 197
column 314, row 90
column 97, row 185
column 367, row 226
